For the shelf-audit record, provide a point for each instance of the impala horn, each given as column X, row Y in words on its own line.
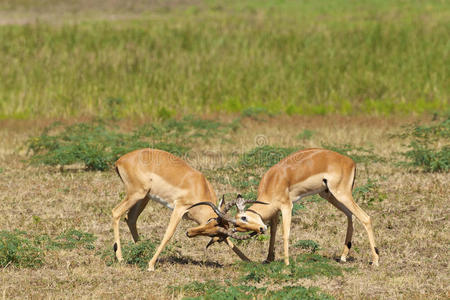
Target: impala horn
column 216, row 210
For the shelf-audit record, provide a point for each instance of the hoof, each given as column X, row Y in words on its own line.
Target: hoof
column 343, row 259
column 374, row 264
column 151, row 268
column 267, row 261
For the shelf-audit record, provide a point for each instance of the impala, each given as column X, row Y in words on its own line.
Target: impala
column 304, row 173
column 160, row 176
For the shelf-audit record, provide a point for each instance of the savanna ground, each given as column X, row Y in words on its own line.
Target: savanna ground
column 271, row 77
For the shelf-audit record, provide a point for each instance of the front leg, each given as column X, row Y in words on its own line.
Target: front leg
column 273, row 232
column 286, row 213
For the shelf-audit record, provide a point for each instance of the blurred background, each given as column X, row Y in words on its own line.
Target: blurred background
column 164, row 59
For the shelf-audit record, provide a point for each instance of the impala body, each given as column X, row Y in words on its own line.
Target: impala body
column 158, row 175
column 303, row 173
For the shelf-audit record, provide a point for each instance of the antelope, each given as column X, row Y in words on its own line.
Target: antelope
column 151, row 174
column 304, row 173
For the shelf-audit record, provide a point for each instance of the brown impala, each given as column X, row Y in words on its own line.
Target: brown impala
column 167, row 179
column 306, row 172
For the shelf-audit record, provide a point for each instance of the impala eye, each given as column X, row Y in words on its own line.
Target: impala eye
column 244, row 218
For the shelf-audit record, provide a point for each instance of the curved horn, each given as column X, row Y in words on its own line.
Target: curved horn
column 216, row 210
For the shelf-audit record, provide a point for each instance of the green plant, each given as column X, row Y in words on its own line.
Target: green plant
column 306, row 134
column 307, row 244
column 263, row 156
column 17, row 249
column 213, row 290
column 369, row 192
column 302, row 266
column 358, row 154
column 429, row 146
column 98, row 145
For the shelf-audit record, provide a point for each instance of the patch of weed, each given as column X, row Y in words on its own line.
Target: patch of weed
column 138, row 254
column 264, row 156
column 213, row 290
column 302, row 266
column 307, row 245
column 26, row 250
column 17, row 249
column 429, row 146
column 306, row 134
column 369, row 192
column 358, row 154
column 98, row 145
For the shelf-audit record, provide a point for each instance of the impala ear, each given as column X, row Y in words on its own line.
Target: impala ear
column 240, row 203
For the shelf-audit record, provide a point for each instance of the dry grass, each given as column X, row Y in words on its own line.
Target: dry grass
column 411, row 224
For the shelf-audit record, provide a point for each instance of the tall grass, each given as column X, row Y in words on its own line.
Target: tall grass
column 295, row 57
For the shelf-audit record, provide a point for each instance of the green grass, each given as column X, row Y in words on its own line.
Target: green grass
column 273, row 274
column 24, row 250
column 98, row 145
column 212, row 290
column 296, row 57
column 429, row 146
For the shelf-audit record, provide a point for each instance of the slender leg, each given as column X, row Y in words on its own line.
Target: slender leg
column 236, row 250
column 346, row 199
column 175, row 219
column 117, row 212
column 286, row 212
column 348, row 237
column 133, row 215
column 273, row 232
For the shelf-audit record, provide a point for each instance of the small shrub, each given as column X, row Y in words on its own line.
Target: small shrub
column 73, row 238
column 358, row 154
column 307, row 244
column 213, row 290
column 264, row 156
column 429, row 147
column 17, row 249
column 97, row 146
column 306, row 134
column 369, row 192
column 303, row 266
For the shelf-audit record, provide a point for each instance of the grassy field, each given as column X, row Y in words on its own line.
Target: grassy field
column 65, row 247
column 166, row 58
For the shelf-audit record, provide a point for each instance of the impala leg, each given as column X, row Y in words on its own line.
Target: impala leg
column 286, row 213
column 347, row 200
column 273, row 232
column 175, row 219
column 348, row 237
column 117, row 212
column 133, row 215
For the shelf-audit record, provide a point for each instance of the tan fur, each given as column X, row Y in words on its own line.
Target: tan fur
column 151, row 172
column 303, row 173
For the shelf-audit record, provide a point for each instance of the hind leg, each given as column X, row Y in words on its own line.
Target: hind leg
column 348, row 237
column 117, row 212
column 343, row 194
column 133, row 215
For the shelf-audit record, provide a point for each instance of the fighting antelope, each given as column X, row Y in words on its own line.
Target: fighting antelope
column 167, row 179
column 304, row 173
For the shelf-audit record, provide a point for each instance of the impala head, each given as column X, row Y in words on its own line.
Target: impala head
column 248, row 220
column 219, row 228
